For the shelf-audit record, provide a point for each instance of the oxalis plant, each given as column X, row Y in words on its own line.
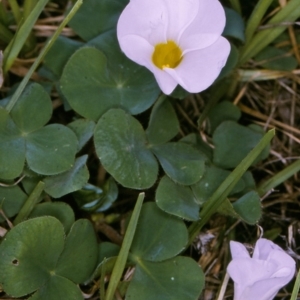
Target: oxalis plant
column 120, row 81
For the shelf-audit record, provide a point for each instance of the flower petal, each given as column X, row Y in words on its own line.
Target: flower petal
column 166, row 83
column 180, row 15
column 199, row 69
column 137, row 49
column 197, row 42
column 238, row 250
column 210, row 20
column 148, row 19
column 141, row 53
column 283, row 260
column 263, row 248
column 264, row 289
column 247, row 271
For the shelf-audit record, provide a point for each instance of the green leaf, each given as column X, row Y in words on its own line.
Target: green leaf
column 51, row 149
column 274, row 28
column 107, row 250
column 157, row 230
column 276, row 59
column 95, row 17
column 34, row 255
column 178, row 278
column 69, row 181
column 211, row 180
column 11, row 201
column 84, row 130
column 203, row 148
column 13, row 49
column 233, row 142
column 224, row 111
column 120, row 143
column 179, row 93
column 249, row 207
column 235, row 26
column 181, row 162
column 227, row 209
column 177, row 200
column 228, row 184
column 124, row 251
column 65, row 47
column 108, row 78
column 48, row 150
column 29, row 254
column 93, row 198
column 61, row 211
column 33, row 109
column 163, row 124
column 255, row 18
column 12, row 148
column 110, row 190
column 57, row 288
column 79, row 257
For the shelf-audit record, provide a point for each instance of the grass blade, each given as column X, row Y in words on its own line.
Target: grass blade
column 211, row 206
column 122, row 257
column 28, row 6
column 274, row 28
column 296, row 287
column 255, row 18
column 279, row 178
column 15, row 10
column 41, row 56
column 15, row 46
column 30, row 203
column 236, row 5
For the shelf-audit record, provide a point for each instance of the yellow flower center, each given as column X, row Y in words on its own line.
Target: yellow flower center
column 167, row 55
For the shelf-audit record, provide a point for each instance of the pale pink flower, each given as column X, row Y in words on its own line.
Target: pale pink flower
column 179, row 41
column 263, row 275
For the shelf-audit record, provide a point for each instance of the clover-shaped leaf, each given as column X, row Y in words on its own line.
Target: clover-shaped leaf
column 124, row 151
column 163, row 123
column 11, row 200
column 233, row 142
column 211, row 180
column 181, row 162
column 248, row 207
column 36, row 258
column 223, row 111
column 177, row 200
column 69, row 181
column 121, row 146
column 60, row 210
column 84, row 131
column 177, row 278
column 235, row 26
column 158, row 275
column 95, row 17
column 108, row 78
column 47, row 150
column 155, row 233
